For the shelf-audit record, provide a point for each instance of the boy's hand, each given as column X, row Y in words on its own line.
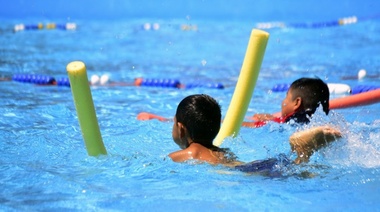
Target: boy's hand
column 331, row 133
column 308, row 141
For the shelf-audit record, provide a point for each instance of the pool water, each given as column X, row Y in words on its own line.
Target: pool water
column 44, row 164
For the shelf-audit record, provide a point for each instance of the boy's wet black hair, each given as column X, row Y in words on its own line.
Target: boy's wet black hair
column 314, row 92
column 201, row 115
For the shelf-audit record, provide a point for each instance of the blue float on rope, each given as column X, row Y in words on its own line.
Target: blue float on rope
column 364, row 88
column 281, row 87
column 63, row 81
column 205, row 85
column 172, row 83
column 34, row 78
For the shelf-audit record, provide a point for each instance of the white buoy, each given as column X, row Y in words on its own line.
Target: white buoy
column 71, row 26
column 104, row 79
column 337, row 88
column 361, row 74
column 19, row 27
column 156, row 26
column 94, row 79
column 147, row 26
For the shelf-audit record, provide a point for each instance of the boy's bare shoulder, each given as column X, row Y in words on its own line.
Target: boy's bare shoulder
column 194, row 151
column 198, row 152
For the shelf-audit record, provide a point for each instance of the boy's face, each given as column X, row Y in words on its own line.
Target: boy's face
column 288, row 105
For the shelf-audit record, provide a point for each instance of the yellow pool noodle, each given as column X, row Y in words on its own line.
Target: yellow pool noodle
column 245, row 86
column 84, row 105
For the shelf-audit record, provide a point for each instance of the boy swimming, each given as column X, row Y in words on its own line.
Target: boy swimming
column 302, row 99
column 196, row 124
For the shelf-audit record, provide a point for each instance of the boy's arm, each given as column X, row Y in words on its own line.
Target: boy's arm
column 306, row 142
column 265, row 116
column 143, row 116
column 262, row 117
column 254, row 124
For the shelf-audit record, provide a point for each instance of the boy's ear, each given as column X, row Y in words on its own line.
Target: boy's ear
column 297, row 103
column 181, row 130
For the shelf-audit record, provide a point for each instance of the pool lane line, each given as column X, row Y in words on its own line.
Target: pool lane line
column 84, row 105
column 313, row 25
column 334, row 88
column 104, row 81
column 41, row 26
column 245, row 85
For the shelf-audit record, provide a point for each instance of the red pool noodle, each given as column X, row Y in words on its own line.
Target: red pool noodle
column 366, row 98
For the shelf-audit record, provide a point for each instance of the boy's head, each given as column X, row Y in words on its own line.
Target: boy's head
column 304, row 97
column 198, row 117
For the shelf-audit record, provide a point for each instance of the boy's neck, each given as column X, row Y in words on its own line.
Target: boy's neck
column 298, row 117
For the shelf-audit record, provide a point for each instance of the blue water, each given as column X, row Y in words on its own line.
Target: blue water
column 44, row 164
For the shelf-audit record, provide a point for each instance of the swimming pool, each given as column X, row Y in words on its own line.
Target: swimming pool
column 44, row 164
